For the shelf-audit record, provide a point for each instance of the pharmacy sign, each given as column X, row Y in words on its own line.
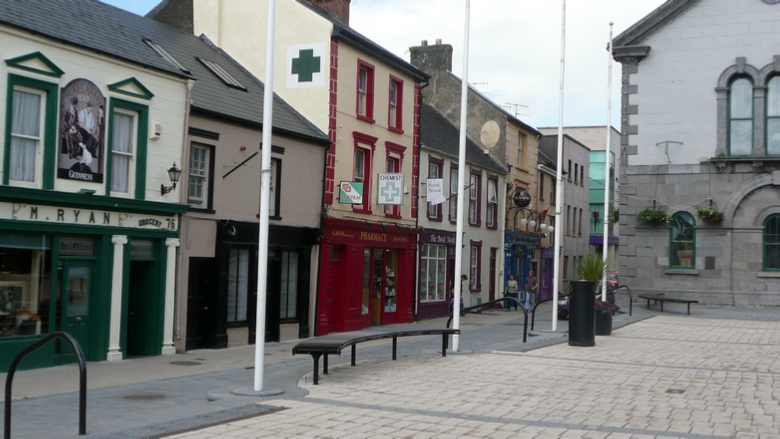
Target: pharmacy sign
column 391, row 189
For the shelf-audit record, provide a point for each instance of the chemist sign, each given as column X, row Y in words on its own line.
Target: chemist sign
column 351, row 192
column 390, row 189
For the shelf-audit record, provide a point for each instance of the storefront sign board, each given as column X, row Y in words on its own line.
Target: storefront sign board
column 390, row 189
column 85, row 217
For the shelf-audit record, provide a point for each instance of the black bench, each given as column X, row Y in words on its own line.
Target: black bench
column 334, row 343
column 660, row 298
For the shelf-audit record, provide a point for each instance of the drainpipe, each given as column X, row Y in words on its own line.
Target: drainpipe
column 185, row 157
column 323, row 214
column 416, row 254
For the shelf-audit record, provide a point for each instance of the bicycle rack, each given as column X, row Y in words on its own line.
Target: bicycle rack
column 82, row 380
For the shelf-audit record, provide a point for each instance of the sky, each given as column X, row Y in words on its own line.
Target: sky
column 514, row 48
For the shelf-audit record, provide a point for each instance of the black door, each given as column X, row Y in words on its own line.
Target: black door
column 273, row 297
column 142, row 334
column 201, row 307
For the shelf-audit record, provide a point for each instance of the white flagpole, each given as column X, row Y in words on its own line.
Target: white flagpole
column 461, row 182
column 607, row 178
column 265, row 180
column 559, row 182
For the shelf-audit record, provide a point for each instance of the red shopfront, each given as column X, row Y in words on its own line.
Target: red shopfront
column 366, row 275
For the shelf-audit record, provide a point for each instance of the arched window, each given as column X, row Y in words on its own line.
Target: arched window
column 773, row 117
column 682, row 241
column 741, row 117
column 772, row 243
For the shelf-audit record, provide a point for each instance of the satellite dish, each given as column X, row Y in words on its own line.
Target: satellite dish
column 489, row 134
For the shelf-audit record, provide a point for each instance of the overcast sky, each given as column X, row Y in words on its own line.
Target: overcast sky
column 514, row 47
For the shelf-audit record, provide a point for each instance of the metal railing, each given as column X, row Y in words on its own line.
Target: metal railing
column 82, row 380
column 480, row 306
column 630, row 297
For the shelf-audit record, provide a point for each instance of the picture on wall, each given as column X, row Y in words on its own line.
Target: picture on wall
column 82, row 132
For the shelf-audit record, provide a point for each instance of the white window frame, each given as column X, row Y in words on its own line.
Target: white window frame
column 131, row 163
column 38, row 171
column 204, row 199
column 433, row 261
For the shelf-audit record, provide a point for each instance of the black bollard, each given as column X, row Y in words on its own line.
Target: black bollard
column 582, row 314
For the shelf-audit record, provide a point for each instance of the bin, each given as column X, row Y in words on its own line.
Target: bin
column 582, row 314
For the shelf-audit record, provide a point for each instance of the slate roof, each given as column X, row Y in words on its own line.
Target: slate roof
column 120, row 34
column 440, row 135
column 342, row 31
column 502, row 109
column 652, row 22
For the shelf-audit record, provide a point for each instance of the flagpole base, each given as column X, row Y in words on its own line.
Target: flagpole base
column 249, row 391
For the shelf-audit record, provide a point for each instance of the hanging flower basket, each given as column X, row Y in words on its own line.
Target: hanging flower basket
column 653, row 217
column 710, row 215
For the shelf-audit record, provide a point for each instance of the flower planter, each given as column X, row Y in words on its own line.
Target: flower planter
column 603, row 323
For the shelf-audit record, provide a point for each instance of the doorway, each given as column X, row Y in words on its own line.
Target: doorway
column 77, row 287
column 378, row 286
column 201, row 309
column 143, row 335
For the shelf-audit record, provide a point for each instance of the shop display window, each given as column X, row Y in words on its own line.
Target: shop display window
column 391, row 268
column 25, row 284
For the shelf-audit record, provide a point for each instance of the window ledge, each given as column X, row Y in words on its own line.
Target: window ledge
column 365, row 118
column 683, row 271
column 387, row 215
column 396, row 130
column 201, row 210
column 775, row 274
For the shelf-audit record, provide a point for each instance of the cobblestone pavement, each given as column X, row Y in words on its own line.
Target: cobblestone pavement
column 668, row 376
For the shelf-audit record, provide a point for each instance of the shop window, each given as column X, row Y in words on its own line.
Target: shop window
column 289, row 287
column 453, row 193
column 740, row 117
column 238, row 285
column 365, row 92
column 395, row 105
column 682, row 237
column 335, row 252
column 772, row 243
column 31, row 114
column 433, row 262
column 201, row 169
column 126, row 164
column 773, row 117
column 475, row 198
column 492, row 202
column 475, row 266
column 25, row 285
column 391, row 281
column 434, row 171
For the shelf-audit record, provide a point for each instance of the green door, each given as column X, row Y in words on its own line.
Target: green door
column 77, row 289
column 142, row 323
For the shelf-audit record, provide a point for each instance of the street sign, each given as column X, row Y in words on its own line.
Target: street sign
column 391, row 189
column 351, row 192
column 435, row 191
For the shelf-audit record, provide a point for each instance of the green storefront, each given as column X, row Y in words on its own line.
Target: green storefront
column 98, row 268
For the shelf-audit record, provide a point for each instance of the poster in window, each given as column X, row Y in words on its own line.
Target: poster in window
column 81, row 132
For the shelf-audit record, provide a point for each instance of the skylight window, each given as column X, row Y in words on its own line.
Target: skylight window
column 163, row 53
column 222, row 74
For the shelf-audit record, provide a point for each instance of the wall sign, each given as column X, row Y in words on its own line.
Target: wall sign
column 390, row 189
column 351, row 192
column 85, row 217
column 82, row 132
column 521, row 198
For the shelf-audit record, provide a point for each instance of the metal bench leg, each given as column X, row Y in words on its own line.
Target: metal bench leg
column 662, row 306
column 395, row 343
column 689, row 309
column 444, row 340
column 353, row 355
column 316, row 358
column 648, row 303
column 325, row 364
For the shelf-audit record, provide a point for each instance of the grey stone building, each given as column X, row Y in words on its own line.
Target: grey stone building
column 575, row 168
column 701, row 129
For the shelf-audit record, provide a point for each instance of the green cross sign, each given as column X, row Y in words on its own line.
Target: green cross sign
column 305, row 65
column 390, row 191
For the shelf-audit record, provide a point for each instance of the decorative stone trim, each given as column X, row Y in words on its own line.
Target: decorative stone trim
column 680, row 271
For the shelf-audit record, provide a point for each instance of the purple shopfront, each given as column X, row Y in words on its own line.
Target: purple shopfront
column 437, row 267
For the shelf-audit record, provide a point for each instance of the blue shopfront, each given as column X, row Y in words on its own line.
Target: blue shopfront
column 519, row 255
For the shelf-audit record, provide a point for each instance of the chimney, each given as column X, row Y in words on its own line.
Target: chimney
column 339, row 8
column 432, row 58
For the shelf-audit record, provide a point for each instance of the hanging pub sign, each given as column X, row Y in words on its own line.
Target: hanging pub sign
column 82, row 128
column 390, row 189
column 351, row 192
column 521, row 198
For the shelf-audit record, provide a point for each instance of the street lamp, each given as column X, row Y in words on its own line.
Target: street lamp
column 173, row 173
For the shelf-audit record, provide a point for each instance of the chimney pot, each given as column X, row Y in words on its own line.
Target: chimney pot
column 438, row 41
column 424, row 43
